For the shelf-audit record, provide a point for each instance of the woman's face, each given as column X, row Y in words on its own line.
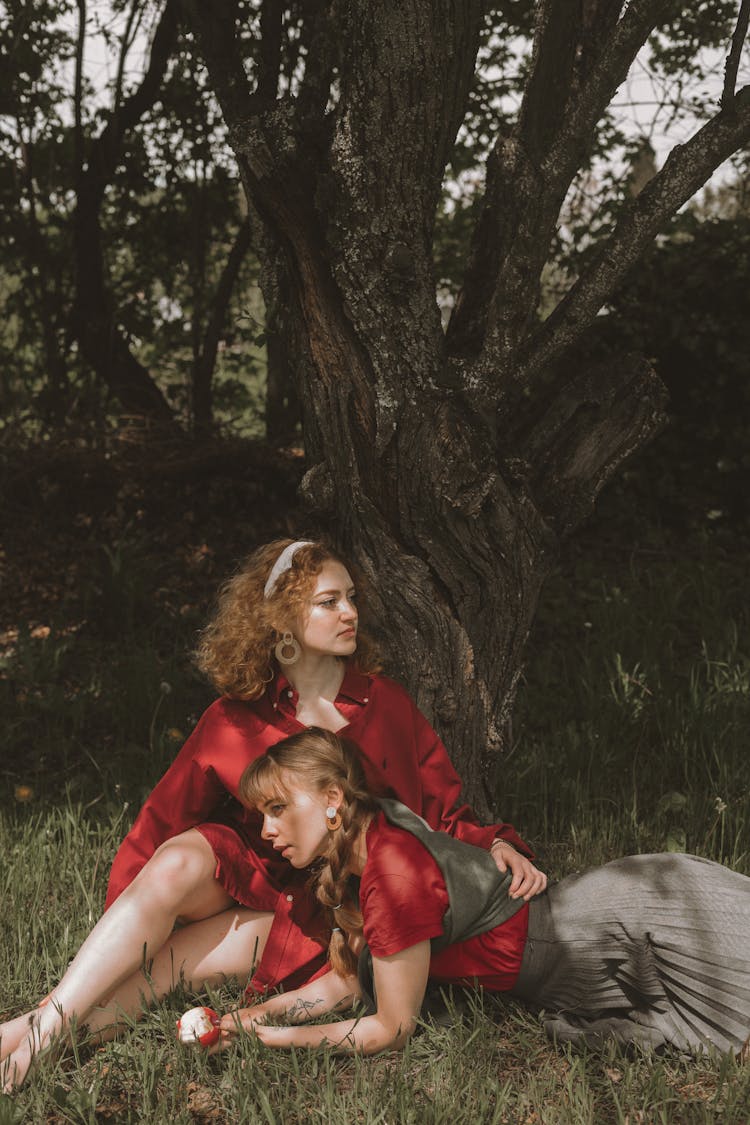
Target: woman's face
column 329, row 627
column 295, row 823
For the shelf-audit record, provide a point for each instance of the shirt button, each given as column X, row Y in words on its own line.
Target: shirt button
column 290, row 693
column 290, row 898
column 366, row 699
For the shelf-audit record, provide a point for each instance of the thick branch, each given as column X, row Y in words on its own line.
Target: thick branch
column 686, row 169
column 553, row 70
column 733, row 58
column 529, row 172
column 106, row 149
column 215, row 26
column 321, row 46
column 278, row 170
column 406, row 70
column 269, row 62
column 589, row 426
column 131, row 28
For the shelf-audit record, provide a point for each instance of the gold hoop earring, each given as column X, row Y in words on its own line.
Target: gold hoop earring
column 333, row 819
column 288, row 650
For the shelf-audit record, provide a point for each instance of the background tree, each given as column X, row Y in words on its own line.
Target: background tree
column 127, row 274
column 451, row 463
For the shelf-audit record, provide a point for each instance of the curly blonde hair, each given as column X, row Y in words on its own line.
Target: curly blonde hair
column 235, row 650
column 318, row 759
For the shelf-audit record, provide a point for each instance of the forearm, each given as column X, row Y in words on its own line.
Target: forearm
column 365, row 1036
column 329, row 993
column 400, row 982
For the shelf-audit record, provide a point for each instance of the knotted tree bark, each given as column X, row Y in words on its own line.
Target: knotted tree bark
column 450, row 463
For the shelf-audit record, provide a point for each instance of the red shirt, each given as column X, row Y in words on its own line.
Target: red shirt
column 402, row 756
column 403, row 898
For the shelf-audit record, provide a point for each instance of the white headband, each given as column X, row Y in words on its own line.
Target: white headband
column 283, row 563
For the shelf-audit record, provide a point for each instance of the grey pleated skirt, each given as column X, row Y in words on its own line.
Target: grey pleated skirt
column 650, row 949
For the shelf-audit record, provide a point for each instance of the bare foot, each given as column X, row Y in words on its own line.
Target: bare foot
column 16, row 1066
column 35, row 1034
column 12, row 1032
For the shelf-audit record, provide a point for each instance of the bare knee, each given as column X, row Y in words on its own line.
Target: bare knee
column 178, row 871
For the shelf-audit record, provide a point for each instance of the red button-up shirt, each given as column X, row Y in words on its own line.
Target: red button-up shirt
column 402, row 757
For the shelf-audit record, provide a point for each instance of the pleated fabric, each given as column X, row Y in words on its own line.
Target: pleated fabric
column 650, row 949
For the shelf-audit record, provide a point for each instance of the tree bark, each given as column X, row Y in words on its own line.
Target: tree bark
column 450, row 468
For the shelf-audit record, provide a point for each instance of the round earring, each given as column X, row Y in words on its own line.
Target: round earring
column 333, row 819
column 288, row 649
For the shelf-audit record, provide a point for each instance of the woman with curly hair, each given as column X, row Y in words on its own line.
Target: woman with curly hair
column 281, row 651
column 650, row 949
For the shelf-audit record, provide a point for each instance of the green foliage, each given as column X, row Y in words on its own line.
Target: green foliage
column 631, row 725
column 686, row 309
column 168, row 218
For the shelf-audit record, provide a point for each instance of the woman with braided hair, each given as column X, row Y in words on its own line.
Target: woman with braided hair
column 650, row 949
column 286, row 652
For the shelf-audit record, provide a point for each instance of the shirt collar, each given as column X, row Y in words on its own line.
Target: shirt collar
column 355, row 685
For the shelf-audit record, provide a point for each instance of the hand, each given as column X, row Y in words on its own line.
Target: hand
column 241, row 1020
column 527, row 880
column 251, row 1021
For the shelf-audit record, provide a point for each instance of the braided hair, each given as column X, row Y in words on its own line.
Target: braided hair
column 317, row 759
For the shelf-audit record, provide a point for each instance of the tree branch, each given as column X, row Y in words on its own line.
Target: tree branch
column 93, row 317
column 733, row 58
column 530, row 171
column 106, row 149
column 204, row 369
column 269, row 55
column 686, row 169
column 125, row 44
column 406, row 69
column 589, row 426
column 78, row 92
column 321, row 51
column 215, row 27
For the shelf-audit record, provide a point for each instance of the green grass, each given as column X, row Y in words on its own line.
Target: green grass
column 630, row 735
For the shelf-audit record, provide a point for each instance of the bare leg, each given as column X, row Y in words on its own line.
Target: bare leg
column 203, row 953
column 178, row 881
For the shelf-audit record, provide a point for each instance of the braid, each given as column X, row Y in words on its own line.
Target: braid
column 321, row 758
column 332, row 881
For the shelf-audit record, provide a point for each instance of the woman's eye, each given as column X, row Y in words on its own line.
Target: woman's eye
column 276, row 810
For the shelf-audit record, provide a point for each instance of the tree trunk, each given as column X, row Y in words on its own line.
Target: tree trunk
column 450, row 467
column 101, row 341
column 283, row 338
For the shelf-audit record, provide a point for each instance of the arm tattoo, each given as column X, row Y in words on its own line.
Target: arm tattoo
column 302, row 1010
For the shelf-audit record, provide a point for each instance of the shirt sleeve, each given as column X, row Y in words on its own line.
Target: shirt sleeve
column 402, row 897
column 443, row 808
column 188, row 793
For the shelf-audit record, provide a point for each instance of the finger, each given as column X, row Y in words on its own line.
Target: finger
column 518, row 882
column 538, row 885
column 521, row 889
column 499, row 859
